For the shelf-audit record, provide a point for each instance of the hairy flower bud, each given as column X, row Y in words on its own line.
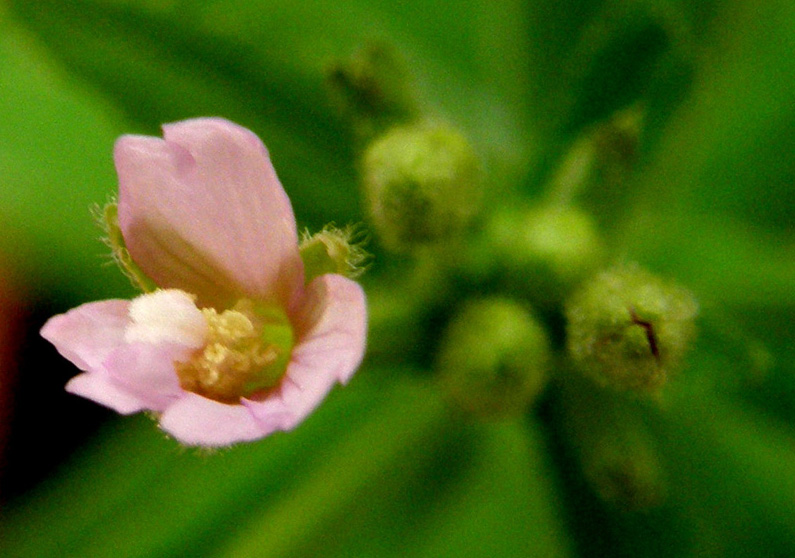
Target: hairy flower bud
column 545, row 251
column 493, row 358
column 372, row 90
column 422, row 184
column 617, row 453
column 629, row 329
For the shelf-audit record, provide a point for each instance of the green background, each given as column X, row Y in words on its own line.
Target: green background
column 384, row 468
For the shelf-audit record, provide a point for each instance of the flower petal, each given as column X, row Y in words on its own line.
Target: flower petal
column 333, row 326
column 197, row 421
column 202, row 210
column 147, row 372
column 86, row 335
column 103, row 390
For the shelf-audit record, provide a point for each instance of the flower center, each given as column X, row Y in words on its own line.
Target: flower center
column 247, row 350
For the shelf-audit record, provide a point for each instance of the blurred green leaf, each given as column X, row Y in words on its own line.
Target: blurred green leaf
column 508, row 505
column 733, row 470
column 262, row 64
column 158, row 67
column 714, row 200
column 56, row 140
column 370, row 473
column 725, row 261
column 136, row 493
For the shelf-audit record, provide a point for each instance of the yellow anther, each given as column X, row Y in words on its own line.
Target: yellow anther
column 244, row 353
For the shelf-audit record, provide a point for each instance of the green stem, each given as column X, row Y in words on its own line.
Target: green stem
column 573, row 173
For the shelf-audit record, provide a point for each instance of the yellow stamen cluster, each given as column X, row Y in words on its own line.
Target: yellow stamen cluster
column 236, row 360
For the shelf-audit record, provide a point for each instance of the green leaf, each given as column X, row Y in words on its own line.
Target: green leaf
column 506, row 505
column 379, row 470
column 734, row 477
column 135, row 493
column 714, row 197
column 725, row 261
column 262, row 64
column 56, row 141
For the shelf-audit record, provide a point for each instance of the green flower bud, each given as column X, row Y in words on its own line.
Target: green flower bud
column 617, row 453
column 597, row 164
column 372, row 90
column 545, row 251
column 422, row 183
column 629, row 329
column 617, row 142
column 332, row 251
column 493, row 360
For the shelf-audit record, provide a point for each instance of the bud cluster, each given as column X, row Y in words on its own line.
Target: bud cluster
column 527, row 294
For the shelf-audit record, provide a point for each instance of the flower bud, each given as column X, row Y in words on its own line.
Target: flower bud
column 617, row 142
column 629, row 329
column 372, row 90
column 617, row 453
column 493, row 358
column 595, row 168
column 422, row 183
column 545, row 251
column 332, row 251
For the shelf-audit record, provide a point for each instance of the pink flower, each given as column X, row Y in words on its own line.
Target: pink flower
column 233, row 345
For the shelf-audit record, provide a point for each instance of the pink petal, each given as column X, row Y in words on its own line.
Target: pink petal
column 332, row 326
column 331, row 347
column 125, row 377
column 103, row 390
column 147, row 372
column 197, row 421
column 86, row 335
column 203, row 211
